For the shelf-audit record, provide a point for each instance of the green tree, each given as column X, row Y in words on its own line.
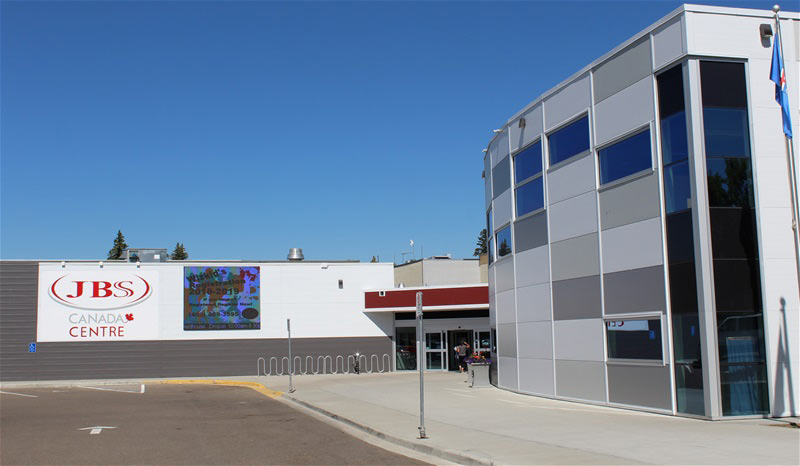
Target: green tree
column 483, row 243
column 179, row 253
column 119, row 246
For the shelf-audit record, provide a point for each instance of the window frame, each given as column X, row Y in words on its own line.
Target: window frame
column 661, row 316
column 555, row 129
column 498, row 258
column 633, row 176
column 518, row 184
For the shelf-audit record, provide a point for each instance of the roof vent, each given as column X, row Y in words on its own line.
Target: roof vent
column 295, row 254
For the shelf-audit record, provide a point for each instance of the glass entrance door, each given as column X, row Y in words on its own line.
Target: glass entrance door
column 435, row 351
column 483, row 344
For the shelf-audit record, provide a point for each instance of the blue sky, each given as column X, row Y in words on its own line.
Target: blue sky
column 242, row 129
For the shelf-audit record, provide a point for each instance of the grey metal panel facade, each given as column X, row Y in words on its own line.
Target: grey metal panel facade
column 533, row 266
column 535, row 340
column 638, row 290
column 567, row 103
column 575, row 257
column 536, row 376
column 576, row 216
column 646, row 386
column 501, row 177
column 504, row 275
column 630, row 202
column 578, row 298
column 507, row 333
column 584, row 380
column 136, row 359
column 521, row 137
column 668, row 42
column 628, row 110
column 530, row 232
column 629, row 66
column 533, row 303
column 573, row 178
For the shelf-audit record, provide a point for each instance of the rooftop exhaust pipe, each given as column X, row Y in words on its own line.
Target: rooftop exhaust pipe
column 295, row 254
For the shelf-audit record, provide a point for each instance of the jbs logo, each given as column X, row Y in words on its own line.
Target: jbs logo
column 100, row 290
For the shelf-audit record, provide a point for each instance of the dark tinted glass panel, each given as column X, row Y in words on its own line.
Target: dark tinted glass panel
column 626, row 157
column 680, row 237
column 737, row 285
column 741, row 355
column 677, row 190
column 670, row 92
column 530, row 196
column 503, row 242
column 733, row 233
column 491, row 250
column 674, row 140
column 683, row 289
column 568, row 141
column 406, row 347
column 528, row 162
column 730, row 182
column 429, row 315
column 726, row 132
column 501, row 177
column 634, row 339
column 723, row 84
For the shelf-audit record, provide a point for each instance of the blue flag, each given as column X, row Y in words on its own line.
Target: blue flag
column 777, row 74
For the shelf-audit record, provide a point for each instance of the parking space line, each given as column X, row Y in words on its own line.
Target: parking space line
column 141, row 390
column 19, row 394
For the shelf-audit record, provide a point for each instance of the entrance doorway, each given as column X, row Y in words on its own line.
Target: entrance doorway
column 454, row 338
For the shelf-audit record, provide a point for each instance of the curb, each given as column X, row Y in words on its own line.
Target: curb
column 260, row 388
column 426, row 449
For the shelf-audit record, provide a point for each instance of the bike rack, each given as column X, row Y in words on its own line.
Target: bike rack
column 324, row 364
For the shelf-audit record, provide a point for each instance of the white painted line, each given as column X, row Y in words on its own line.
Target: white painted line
column 513, row 402
column 462, row 390
column 96, row 429
column 114, row 389
column 142, row 389
column 465, row 396
column 19, row 394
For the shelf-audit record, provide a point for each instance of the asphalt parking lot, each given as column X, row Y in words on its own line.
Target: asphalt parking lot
column 170, row 424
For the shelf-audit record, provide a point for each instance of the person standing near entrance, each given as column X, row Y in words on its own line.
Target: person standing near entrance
column 462, row 351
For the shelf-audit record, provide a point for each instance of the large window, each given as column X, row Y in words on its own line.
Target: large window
column 568, row 141
column 528, row 181
column 626, row 157
column 503, row 239
column 634, row 339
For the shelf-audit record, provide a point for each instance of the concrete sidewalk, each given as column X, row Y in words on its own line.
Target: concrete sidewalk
column 493, row 426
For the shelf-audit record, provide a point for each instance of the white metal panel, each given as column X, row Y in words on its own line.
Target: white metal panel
column 573, row 217
column 536, row 376
column 499, row 148
column 533, row 266
column 504, row 275
column 782, row 330
column 533, row 303
column 503, row 209
column 780, row 283
column 504, row 302
column 579, row 340
column 668, row 43
column 576, row 177
column 568, row 102
column 535, row 340
column 624, row 111
column 725, row 35
column 521, row 137
column 632, row 246
column 507, row 373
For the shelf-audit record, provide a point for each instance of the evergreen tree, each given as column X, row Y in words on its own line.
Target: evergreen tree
column 483, row 243
column 179, row 253
column 119, row 246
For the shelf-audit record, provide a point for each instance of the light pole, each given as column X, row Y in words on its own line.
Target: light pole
column 421, row 365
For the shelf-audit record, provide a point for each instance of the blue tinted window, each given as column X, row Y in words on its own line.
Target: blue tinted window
column 568, row 141
column 726, row 132
column 674, row 140
column 677, row 190
column 530, row 196
column 528, row 162
column 634, row 339
column 503, row 242
column 626, row 157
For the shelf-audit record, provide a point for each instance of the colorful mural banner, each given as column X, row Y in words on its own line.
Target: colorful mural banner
column 221, row 298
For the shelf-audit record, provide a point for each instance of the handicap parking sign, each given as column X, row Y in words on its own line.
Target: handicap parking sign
column 31, row 347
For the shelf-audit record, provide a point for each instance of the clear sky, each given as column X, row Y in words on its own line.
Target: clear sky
column 242, row 129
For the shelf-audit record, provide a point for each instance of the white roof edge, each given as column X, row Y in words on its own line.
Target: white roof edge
column 423, row 288
column 691, row 8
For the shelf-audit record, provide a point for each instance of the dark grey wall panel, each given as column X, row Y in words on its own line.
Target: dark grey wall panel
column 507, row 338
column 638, row 290
column 630, row 202
column 627, row 67
column 136, row 359
column 647, row 386
column 530, row 233
column 578, row 298
column 501, row 177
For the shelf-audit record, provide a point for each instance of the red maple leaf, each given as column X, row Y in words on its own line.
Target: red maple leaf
column 129, row 317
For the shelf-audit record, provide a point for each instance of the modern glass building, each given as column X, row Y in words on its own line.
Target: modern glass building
column 642, row 252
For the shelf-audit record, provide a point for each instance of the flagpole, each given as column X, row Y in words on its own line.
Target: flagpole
column 790, row 160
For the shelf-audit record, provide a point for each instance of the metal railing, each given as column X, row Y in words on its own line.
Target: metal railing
column 311, row 365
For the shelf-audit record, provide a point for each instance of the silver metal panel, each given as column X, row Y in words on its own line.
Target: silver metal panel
column 583, row 380
column 499, row 148
column 579, row 340
column 507, row 373
column 668, row 42
column 533, row 266
column 535, row 340
column 632, row 246
column 530, row 232
column 507, row 340
column 615, row 74
column 487, row 180
column 502, row 209
column 501, row 177
column 625, row 111
column 568, row 102
column 576, row 216
column 630, row 202
column 578, row 298
column 521, row 137
column 536, row 376
column 639, row 290
column 576, row 257
column 504, row 304
column 504, row 275
column 533, row 303
column 647, row 386
column 571, row 179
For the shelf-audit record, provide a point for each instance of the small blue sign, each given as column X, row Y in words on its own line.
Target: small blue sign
column 692, row 330
column 31, row 347
column 652, row 334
